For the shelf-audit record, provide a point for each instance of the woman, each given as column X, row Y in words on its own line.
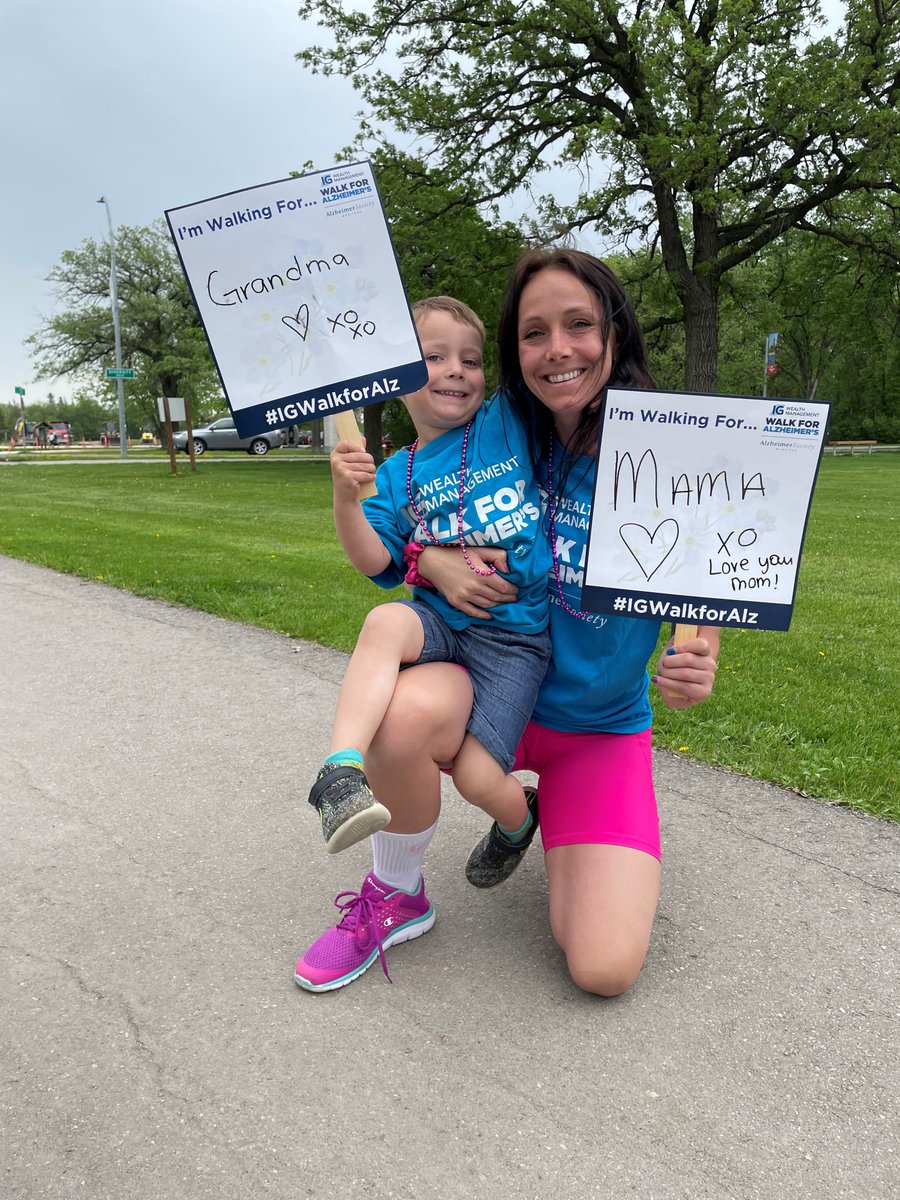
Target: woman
column 566, row 332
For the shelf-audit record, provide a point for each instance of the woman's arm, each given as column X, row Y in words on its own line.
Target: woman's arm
column 445, row 567
column 686, row 673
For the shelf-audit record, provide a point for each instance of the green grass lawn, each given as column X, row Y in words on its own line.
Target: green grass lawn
column 813, row 709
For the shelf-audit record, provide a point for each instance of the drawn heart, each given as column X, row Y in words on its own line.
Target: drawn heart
column 299, row 323
column 641, row 544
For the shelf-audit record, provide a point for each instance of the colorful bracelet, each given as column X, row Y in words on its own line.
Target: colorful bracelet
column 411, row 552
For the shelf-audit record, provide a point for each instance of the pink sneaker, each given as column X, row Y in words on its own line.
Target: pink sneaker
column 374, row 919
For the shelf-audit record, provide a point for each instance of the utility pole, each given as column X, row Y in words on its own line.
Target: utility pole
column 113, row 292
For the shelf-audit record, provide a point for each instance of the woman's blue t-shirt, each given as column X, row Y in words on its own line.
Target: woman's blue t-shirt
column 597, row 679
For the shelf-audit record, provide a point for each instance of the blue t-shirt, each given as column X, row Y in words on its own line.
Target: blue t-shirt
column 501, row 508
column 597, row 679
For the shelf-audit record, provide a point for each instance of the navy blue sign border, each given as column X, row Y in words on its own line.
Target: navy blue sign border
column 739, row 612
column 317, row 403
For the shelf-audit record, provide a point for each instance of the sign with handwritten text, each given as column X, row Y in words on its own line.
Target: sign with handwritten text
column 298, row 288
column 700, row 507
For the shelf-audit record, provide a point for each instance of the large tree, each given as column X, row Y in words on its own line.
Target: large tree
column 703, row 129
column 161, row 333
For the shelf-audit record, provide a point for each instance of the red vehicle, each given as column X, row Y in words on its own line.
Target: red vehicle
column 59, row 434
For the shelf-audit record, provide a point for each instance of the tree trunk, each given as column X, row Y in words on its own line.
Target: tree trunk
column 372, row 430
column 701, row 334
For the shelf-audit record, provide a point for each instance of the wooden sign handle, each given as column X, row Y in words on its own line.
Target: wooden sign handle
column 684, row 633
column 348, row 431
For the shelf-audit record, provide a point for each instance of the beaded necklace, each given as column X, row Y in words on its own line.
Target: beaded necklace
column 462, row 487
column 551, row 511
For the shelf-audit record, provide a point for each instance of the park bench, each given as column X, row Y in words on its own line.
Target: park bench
column 852, row 447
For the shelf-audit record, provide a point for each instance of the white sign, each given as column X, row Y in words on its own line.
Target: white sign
column 176, row 408
column 298, row 288
column 700, row 507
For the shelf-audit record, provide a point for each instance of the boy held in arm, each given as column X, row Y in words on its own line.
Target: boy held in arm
column 466, row 480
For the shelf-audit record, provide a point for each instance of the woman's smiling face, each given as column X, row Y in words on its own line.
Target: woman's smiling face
column 564, row 352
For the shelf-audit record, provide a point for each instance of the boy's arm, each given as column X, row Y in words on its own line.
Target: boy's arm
column 351, row 467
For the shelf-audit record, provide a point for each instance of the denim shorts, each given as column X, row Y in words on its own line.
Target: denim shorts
column 506, row 669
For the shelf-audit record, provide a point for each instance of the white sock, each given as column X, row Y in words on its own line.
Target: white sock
column 397, row 857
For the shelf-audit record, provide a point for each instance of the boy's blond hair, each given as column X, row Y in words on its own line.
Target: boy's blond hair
column 455, row 308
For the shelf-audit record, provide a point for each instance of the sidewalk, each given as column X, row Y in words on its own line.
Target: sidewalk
column 161, row 874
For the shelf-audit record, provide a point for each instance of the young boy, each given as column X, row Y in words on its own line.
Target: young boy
column 465, row 480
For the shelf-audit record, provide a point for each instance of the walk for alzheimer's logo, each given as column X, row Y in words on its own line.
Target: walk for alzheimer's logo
column 794, row 420
column 339, row 186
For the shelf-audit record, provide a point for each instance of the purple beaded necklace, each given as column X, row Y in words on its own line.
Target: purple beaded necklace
column 551, row 511
column 462, row 487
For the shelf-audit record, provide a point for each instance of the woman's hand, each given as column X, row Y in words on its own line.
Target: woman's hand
column 445, row 567
column 686, row 673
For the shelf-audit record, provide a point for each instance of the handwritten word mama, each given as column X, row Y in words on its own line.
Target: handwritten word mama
column 262, row 284
column 683, row 487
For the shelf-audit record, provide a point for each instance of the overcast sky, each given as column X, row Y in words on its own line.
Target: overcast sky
column 152, row 104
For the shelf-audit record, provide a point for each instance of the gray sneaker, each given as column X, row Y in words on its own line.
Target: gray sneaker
column 495, row 857
column 349, row 812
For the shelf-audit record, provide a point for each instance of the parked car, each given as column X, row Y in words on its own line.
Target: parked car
column 147, row 436
column 222, row 435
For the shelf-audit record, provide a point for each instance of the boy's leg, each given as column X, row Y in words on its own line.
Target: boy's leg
column 506, row 670
column 392, row 634
column 480, row 779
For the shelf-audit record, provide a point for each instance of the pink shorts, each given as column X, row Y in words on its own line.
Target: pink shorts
column 594, row 788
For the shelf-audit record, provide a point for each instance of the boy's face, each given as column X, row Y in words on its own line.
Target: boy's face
column 455, row 388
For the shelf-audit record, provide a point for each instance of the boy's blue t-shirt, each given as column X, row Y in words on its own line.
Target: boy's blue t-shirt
column 597, row 678
column 501, row 508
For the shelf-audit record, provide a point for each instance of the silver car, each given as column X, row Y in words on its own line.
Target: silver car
column 222, row 435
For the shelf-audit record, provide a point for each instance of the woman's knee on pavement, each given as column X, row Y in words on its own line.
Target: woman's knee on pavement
column 602, row 903
column 604, row 969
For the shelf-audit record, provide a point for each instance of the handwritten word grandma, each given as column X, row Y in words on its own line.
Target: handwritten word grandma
column 261, row 284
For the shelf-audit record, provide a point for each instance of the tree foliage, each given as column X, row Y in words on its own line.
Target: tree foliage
column 162, row 338
column 836, row 309
column 704, row 130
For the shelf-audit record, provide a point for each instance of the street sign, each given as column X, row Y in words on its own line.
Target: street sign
column 20, row 391
column 120, row 372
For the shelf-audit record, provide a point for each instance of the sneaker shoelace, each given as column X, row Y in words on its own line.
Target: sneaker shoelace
column 360, row 911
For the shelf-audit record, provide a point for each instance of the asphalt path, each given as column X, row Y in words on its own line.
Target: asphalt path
column 161, row 873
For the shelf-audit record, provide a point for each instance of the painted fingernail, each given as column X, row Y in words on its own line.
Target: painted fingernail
column 671, row 650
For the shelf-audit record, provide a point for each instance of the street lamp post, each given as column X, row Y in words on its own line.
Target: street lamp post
column 120, row 384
